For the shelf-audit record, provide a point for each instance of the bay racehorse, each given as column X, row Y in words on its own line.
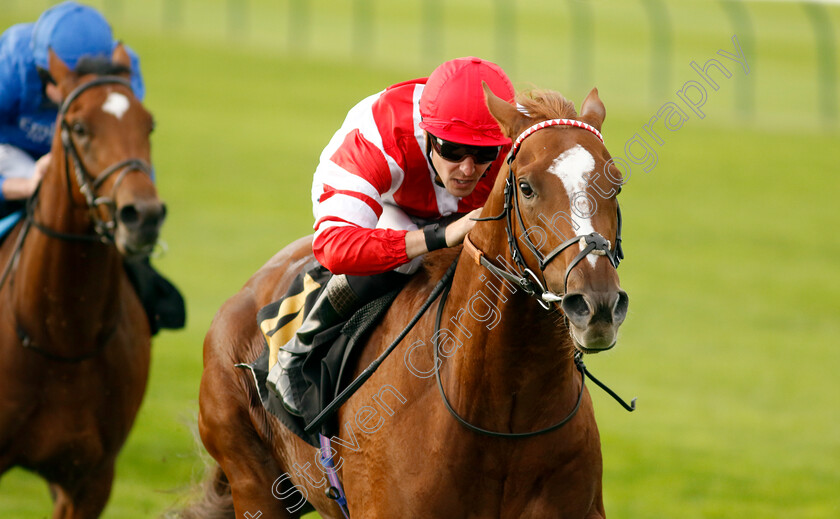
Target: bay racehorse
column 74, row 338
column 483, row 413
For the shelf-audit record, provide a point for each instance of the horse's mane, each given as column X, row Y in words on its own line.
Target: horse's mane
column 99, row 65
column 546, row 104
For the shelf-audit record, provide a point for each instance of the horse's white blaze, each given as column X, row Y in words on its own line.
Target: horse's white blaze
column 116, row 104
column 572, row 167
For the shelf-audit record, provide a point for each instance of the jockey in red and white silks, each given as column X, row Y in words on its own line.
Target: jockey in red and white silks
column 404, row 175
column 376, row 179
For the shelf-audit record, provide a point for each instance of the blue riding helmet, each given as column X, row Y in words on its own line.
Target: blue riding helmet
column 71, row 30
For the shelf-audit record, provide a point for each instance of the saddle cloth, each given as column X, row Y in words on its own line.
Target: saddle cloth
column 8, row 222
column 324, row 371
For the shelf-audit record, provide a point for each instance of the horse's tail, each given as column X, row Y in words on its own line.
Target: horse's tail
column 216, row 501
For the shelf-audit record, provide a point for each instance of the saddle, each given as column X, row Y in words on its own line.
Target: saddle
column 8, row 222
column 324, row 371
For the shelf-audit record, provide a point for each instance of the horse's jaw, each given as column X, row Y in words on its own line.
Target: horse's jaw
column 132, row 247
column 590, row 342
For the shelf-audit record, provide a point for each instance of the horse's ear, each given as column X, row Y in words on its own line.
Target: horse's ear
column 120, row 56
column 592, row 110
column 511, row 120
column 58, row 69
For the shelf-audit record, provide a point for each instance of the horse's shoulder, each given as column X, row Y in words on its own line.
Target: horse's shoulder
column 434, row 266
column 413, row 295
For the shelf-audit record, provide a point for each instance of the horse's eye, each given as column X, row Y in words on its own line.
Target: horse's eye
column 152, row 126
column 525, row 189
column 79, row 130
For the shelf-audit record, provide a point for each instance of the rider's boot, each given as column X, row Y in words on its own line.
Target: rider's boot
column 162, row 301
column 342, row 296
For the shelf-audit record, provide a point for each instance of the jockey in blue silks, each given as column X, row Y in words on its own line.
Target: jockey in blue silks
column 28, row 99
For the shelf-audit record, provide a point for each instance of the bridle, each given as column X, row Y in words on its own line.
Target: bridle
column 89, row 184
column 528, row 280
column 523, row 276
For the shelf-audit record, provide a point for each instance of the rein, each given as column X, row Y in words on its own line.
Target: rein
column 579, row 365
column 15, row 252
column 486, row 432
column 333, row 406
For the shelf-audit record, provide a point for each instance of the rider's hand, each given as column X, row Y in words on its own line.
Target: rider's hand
column 19, row 188
column 456, row 231
column 41, row 166
column 415, row 241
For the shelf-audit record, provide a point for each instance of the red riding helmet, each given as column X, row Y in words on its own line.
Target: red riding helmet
column 452, row 105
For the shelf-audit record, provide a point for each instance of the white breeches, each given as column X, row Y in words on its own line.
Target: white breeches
column 15, row 163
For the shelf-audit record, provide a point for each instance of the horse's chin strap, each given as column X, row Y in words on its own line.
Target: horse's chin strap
column 531, row 284
column 592, row 243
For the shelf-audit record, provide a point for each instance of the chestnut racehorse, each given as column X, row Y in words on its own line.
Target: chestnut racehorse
column 74, row 338
column 535, row 287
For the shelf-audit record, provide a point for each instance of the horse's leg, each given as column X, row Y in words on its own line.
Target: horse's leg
column 83, row 499
column 248, row 466
column 228, row 434
column 232, row 423
column 597, row 510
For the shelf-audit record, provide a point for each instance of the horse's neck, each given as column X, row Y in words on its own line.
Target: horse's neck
column 60, row 206
column 74, row 279
column 514, row 365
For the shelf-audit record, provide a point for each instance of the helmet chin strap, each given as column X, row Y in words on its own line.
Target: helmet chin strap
column 437, row 180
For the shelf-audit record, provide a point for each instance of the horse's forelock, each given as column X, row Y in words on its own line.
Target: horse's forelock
column 546, row 104
column 100, row 66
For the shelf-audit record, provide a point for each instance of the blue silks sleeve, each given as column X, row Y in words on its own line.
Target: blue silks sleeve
column 137, row 84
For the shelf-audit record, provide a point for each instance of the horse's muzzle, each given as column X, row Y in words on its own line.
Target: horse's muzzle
column 138, row 227
column 594, row 318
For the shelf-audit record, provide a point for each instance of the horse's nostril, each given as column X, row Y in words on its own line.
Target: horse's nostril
column 576, row 309
column 142, row 216
column 129, row 216
column 621, row 305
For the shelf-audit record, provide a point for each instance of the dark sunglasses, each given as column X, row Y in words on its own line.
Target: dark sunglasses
column 456, row 152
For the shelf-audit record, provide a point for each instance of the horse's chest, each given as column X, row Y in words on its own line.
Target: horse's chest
column 472, row 479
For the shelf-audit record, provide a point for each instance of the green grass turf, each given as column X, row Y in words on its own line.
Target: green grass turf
column 731, row 241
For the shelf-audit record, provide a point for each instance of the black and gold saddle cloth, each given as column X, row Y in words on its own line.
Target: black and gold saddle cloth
column 324, row 371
